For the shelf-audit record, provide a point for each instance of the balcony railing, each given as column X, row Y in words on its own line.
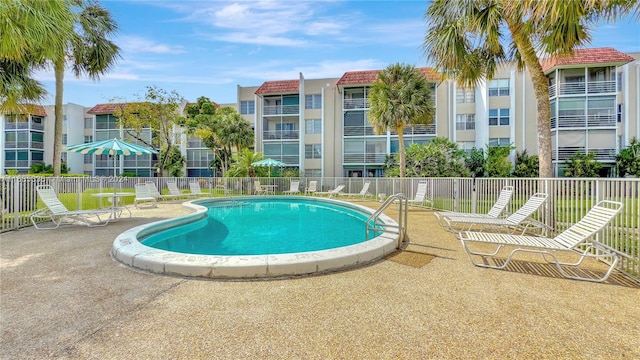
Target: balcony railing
column 280, row 109
column 9, row 125
column 581, row 121
column 16, row 164
column 280, row 134
column 358, row 131
column 417, row 130
column 350, row 104
column 198, row 163
column 589, row 87
column 365, row 158
column 602, row 154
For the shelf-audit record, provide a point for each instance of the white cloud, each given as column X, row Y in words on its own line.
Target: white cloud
column 281, row 70
column 136, row 44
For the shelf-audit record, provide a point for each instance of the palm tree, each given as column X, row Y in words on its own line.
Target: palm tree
column 30, row 32
column 89, row 52
column 464, row 40
column 242, row 165
column 401, row 96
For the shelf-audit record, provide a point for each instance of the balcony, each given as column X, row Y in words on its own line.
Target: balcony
column 10, row 125
column 280, row 134
column 581, row 121
column 603, row 154
column 358, row 131
column 198, row 163
column 16, row 163
column 365, row 158
column 578, row 88
column 352, row 104
column 280, row 109
column 417, row 130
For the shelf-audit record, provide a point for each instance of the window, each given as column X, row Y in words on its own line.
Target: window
column 465, row 95
column 313, row 172
column 313, row 126
column 313, row 151
column 88, row 139
column 88, row 158
column 499, row 142
column 499, row 87
column 465, row 122
column 64, row 139
column 247, row 107
column 88, row 123
column 313, row 101
column 498, row 117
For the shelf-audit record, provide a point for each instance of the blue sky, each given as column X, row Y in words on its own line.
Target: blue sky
column 207, row 48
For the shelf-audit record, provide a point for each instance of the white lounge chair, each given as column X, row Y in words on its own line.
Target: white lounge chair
column 174, row 191
column 331, row 193
column 194, row 187
column 364, row 192
column 153, row 189
column 259, row 189
column 420, row 198
column 519, row 221
column 311, row 188
column 494, row 213
column 58, row 214
column 294, row 187
column 574, row 240
column 144, row 193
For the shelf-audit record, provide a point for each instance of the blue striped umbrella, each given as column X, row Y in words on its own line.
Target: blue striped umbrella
column 111, row 147
column 269, row 163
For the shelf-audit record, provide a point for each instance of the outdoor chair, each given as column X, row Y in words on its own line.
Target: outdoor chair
column 311, row 188
column 494, row 213
column 55, row 211
column 194, row 186
column 294, row 187
column 144, row 193
column 364, row 192
column 521, row 220
column 153, row 189
column 174, row 191
column 331, row 193
column 420, row 199
column 576, row 240
column 259, row 190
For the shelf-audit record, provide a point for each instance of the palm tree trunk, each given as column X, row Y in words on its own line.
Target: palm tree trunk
column 403, row 170
column 57, row 133
column 541, row 90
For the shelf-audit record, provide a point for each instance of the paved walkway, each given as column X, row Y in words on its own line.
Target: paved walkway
column 62, row 296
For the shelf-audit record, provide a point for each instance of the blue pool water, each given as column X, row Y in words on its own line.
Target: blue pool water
column 265, row 226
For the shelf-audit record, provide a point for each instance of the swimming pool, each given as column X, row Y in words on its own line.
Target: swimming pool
column 237, row 239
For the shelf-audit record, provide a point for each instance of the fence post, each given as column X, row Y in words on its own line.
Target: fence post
column 455, row 194
column 16, row 203
column 474, row 197
column 79, row 184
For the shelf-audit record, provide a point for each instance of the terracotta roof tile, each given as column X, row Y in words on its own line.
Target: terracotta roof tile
column 105, row 108
column 31, row 109
column 587, row 57
column 279, row 87
column 370, row 76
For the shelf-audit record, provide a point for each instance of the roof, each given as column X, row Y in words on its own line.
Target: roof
column 279, row 87
column 370, row 76
column 105, row 108
column 587, row 57
column 29, row 109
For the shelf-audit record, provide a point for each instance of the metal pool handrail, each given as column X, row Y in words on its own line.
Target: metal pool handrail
column 401, row 199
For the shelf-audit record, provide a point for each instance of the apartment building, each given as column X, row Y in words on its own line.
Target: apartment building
column 321, row 126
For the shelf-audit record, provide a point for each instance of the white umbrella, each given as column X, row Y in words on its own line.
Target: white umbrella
column 111, row 147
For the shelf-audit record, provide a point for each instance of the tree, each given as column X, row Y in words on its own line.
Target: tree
column 475, row 162
column 30, row 33
column 526, row 165
column 581, row 165
column 497, row 163
column 628, row 160
column 241, row 166
column 438, row 158
column 159, row 111
column 465, row 41
column 89, row 52
column 221, row 130
column 174, row 163
column 401, row 96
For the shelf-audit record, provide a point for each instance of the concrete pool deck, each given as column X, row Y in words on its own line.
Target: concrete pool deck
column 62, row 296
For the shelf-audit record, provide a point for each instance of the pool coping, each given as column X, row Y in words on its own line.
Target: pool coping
column 129, row 251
